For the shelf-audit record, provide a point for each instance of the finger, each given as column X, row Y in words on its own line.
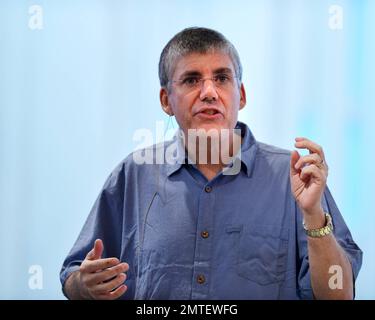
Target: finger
column 107, row 274
column 311, row 171
column 304, row 143
column 97, row 251
column 98, row 265
column 110, row 285
column 293, row 160
column 313, row 158
column 115, row 294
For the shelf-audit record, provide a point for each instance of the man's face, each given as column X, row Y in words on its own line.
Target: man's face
column 211, row 103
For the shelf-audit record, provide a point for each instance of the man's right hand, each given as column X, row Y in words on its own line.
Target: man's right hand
column 98, row 278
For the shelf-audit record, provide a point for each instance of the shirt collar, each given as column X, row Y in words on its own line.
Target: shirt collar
column 248, row 151
column 178, row 148
column 249, row 147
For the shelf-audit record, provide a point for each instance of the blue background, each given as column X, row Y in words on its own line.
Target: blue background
column 73, row 93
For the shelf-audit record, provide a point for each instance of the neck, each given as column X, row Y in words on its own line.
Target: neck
column 212, row 153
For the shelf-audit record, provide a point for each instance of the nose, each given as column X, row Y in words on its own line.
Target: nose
column 208, row 91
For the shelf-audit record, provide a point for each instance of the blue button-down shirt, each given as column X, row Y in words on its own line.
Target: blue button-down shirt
column 184, row 237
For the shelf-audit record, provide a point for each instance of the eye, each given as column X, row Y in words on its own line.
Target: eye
column 222, row 78
column 190, row 81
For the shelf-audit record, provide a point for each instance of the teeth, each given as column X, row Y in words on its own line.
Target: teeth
column 210, row 112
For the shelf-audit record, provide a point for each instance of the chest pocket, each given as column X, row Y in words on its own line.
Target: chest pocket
column 262, row 253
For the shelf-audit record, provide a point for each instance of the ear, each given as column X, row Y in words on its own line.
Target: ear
column 165, row 101
column 243, row 96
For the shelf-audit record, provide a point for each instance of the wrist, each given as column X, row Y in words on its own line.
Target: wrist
column 314, row 219
column 312, row 211
column 320, row 231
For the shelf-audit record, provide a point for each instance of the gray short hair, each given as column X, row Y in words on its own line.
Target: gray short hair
column 195, row 40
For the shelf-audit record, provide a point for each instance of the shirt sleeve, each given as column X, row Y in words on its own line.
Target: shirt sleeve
column 104, row 222
column 343, row 237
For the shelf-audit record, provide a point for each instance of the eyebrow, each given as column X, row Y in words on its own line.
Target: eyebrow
column 223, row 70
column 195, row 73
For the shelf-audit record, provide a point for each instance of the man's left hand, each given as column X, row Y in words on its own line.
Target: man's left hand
column 308, row 176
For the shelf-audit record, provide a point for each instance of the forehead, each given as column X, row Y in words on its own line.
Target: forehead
column 203, row 63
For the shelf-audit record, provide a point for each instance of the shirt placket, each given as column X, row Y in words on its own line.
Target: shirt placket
column 203, row 251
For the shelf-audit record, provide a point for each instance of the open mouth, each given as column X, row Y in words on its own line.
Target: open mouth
column 210, row 112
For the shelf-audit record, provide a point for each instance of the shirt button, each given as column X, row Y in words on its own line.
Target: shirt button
column 201, row 279
column 204, row 234
column 208, row 189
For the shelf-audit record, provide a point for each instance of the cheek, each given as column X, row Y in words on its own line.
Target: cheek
column 183, row 105
column 232, row 103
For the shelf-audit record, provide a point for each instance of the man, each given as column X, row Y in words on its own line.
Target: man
column 186, row 229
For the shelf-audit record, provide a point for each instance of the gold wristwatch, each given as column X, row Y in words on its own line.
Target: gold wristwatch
column 321, row 232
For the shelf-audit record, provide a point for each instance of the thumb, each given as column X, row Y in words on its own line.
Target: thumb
column 293, row 160
column 97, row 251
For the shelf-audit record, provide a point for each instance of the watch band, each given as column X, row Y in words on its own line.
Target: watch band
column 321, row 232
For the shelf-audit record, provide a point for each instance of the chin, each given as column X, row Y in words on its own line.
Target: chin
column 210, row 128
